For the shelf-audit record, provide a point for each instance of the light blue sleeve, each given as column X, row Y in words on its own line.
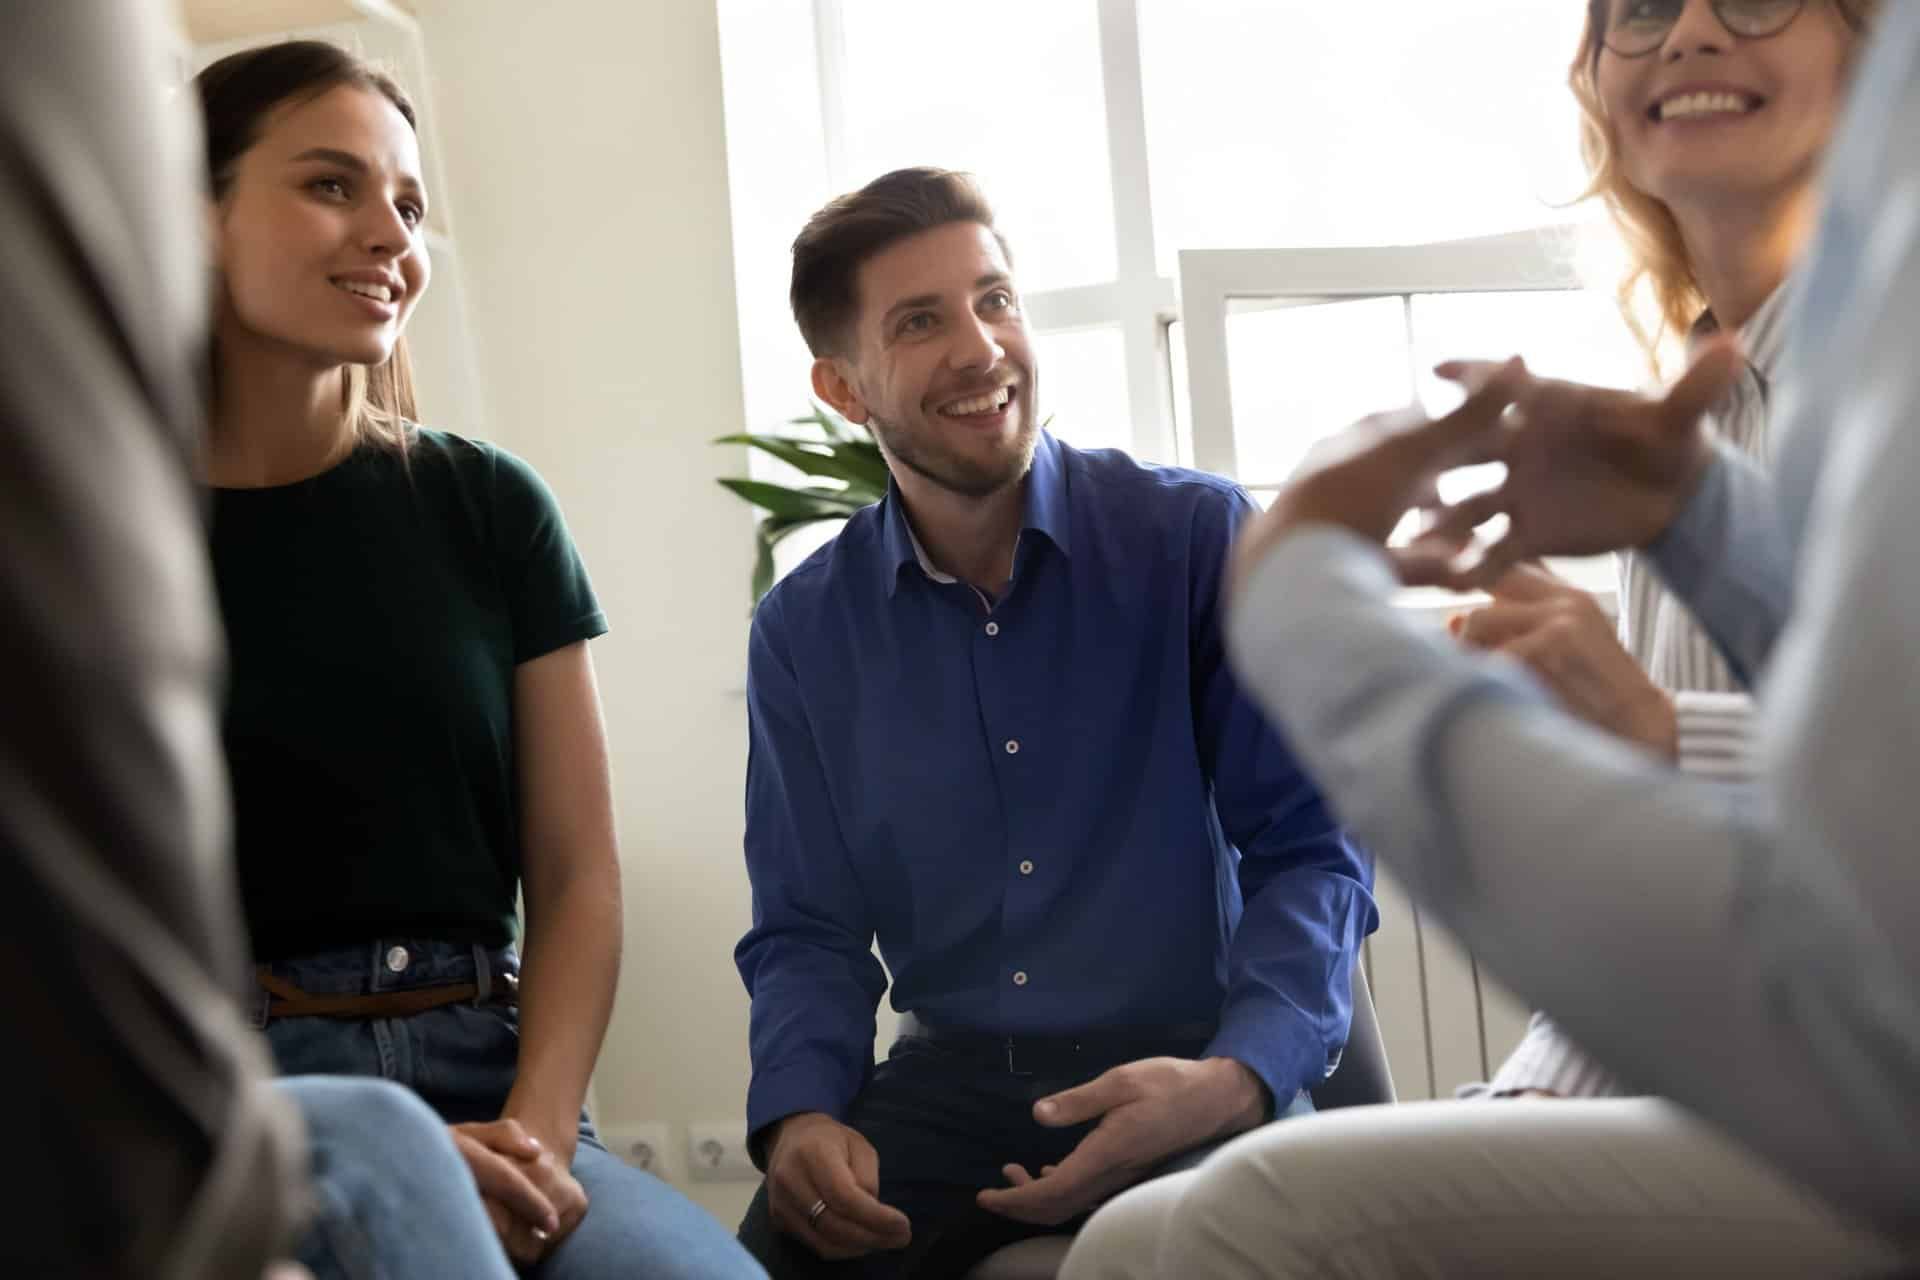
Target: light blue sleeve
column 1702, row 941
column 1727, row 559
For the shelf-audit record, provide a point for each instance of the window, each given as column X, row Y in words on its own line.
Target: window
column 1361, row 122
column 1281, row 348
column 1112, row 134
column 1007, row 88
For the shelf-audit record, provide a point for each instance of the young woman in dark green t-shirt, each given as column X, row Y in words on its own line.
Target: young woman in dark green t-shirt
column 414, row 732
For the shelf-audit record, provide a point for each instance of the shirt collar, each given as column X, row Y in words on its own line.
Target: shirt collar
column 1047, row 513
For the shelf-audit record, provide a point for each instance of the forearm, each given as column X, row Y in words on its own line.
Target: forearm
column 1305, row 886
column 1676, row 926
column 571, row 966
column 1458, row 770
column 812, row 1025
column 1290, row 977
column 1727, row 558
column 807, row 962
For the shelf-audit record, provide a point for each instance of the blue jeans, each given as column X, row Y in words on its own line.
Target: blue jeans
column 394, row 1198
column 460, row 1059
column 944, row 1123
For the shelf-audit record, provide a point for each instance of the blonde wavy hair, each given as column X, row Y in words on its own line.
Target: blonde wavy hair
column 1659, row 296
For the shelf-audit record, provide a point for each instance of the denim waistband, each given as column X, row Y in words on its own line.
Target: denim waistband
column 394, row 964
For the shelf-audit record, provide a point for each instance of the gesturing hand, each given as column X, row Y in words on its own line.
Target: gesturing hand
column 1561, row 633
column 1590, row 470
column 813, row 1160
column 1147, row 1111
column 1383, row 466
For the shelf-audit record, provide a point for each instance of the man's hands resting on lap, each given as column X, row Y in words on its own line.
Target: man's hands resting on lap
column 1146, row 1111
column 811, row 1157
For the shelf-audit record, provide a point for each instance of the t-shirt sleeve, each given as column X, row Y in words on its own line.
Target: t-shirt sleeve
column 548, row 595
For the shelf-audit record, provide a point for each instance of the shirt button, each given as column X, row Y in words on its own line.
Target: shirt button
column 1020, row 978
column 993, row 628
column 1026, row 867
column 397, row 959
column 1013, row 746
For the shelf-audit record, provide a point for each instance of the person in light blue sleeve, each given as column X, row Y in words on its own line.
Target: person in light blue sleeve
column 1748, row 952
column 992, row 727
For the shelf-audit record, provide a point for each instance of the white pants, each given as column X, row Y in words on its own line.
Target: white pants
column 1567, row 1189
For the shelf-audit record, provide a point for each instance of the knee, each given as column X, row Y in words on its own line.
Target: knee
column 1241, row 1217
column 1122, row 1240
column 362, row 1114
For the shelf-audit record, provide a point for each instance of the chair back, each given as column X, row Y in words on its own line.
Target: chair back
column 1363, row 1078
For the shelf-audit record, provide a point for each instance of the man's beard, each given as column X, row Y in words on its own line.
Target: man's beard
column 968, row 477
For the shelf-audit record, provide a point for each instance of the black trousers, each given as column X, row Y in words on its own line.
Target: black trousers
column 944, row 1121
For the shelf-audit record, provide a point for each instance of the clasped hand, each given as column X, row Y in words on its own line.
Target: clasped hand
column 527, row 1187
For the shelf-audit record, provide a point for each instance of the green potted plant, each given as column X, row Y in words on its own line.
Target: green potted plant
column 844, row 471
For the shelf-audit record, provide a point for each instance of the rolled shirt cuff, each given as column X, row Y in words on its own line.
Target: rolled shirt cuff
column 1715, row 735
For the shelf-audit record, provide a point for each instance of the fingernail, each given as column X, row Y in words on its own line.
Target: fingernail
column 1046, row 1108
column 541, row 1235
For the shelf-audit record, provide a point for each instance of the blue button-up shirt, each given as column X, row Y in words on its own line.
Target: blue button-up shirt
column 1058, row 815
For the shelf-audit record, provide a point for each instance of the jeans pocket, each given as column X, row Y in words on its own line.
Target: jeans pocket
column 468, row 1058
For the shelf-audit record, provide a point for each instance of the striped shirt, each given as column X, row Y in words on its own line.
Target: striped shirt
column 1712, row 711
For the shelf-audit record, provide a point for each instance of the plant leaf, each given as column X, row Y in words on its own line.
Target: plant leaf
column 835, row 426
column 817, row 504
column 774, row 529
column 762, row 569
column 768, row 534
column 857, row 463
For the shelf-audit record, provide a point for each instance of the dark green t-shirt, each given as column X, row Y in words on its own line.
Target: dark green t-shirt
column 375, row 614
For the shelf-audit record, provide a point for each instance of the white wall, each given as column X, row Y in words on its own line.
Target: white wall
column 586, row 160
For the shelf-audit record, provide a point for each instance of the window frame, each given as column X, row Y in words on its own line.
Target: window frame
column 1213, row 279
column 1535, row 261
column 1139, row 301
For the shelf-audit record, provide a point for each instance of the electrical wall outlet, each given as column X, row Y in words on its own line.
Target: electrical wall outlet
column 718, row 1153
column 644, row 1146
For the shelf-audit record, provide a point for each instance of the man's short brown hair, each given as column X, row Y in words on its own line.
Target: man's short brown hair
column 852, row 228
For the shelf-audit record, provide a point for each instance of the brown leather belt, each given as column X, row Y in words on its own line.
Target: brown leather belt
column 288, row 1001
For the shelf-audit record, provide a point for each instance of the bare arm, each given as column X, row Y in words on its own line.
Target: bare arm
column 572, row 868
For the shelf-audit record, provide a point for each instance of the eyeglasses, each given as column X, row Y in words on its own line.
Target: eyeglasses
column 1635, row 28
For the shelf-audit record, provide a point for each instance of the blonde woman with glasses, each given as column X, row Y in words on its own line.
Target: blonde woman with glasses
column 1704, row 126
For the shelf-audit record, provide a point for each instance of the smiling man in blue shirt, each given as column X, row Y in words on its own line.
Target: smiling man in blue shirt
column 992, row 726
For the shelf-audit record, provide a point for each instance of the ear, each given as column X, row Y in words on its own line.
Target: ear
column 832, row 386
